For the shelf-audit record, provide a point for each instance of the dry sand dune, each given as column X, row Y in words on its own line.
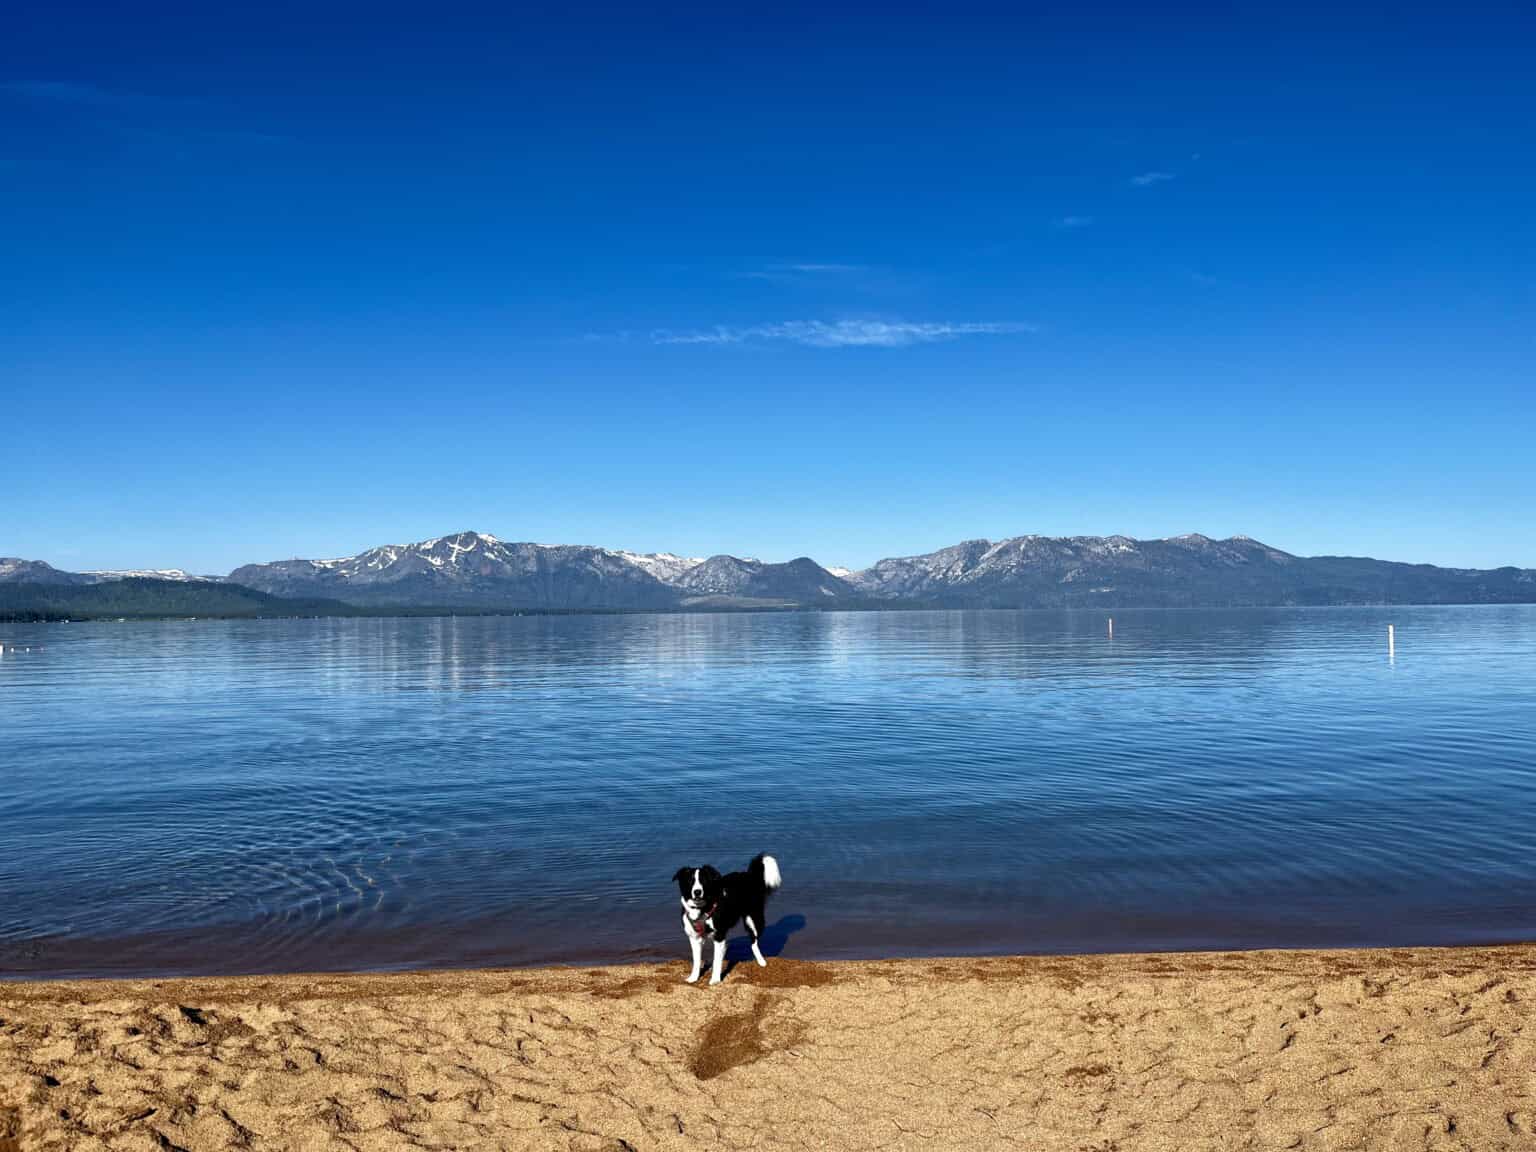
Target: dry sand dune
column 1306, row 1050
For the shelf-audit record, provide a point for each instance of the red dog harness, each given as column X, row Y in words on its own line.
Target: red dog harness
column 701, row 925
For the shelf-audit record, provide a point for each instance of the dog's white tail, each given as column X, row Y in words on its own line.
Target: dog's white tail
column 771, row 879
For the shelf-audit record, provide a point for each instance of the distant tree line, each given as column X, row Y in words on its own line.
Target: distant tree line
column 141, row 598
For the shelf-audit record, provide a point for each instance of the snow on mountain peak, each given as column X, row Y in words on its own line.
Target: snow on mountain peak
column 664, row 566
column 177, row 574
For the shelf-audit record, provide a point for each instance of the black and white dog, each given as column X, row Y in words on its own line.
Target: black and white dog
column 712, row 904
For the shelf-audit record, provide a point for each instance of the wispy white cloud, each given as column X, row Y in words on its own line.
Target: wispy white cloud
column 800, row 271
column 1147, row 179
column 813, row 268
column 70, row 94
column 1071, row 223
column 127, row 113
column 840, row 333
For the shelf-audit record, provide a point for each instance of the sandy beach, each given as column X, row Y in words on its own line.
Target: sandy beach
column 1390, row 1049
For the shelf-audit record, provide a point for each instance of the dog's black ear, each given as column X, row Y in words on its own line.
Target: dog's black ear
column 680, row 875
column 709, row 873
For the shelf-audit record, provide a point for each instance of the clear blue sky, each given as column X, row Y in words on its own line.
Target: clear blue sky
column 772, row 279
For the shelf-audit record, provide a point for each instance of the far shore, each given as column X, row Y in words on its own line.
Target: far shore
column 740, row 609
column 1374, row 1049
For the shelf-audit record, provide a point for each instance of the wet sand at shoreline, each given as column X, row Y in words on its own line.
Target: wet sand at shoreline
column 1379, row 1049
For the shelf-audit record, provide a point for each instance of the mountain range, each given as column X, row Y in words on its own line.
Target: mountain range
column 475, row 572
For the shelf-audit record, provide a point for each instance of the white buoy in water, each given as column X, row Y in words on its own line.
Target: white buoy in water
column 1391, row 643
column 1111, row 627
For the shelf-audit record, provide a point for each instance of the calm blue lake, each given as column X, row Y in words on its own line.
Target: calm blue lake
column 213, row 796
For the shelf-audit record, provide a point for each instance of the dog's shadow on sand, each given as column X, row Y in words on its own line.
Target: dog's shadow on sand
column 775, row 936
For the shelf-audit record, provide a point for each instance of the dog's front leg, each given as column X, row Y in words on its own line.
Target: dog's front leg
column 696, row 942
column 715, row 976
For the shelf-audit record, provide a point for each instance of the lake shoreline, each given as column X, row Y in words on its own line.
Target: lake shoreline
column 787, row 608
column 1400, row 1048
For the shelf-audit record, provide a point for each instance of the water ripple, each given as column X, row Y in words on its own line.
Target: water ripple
column 223, row 796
